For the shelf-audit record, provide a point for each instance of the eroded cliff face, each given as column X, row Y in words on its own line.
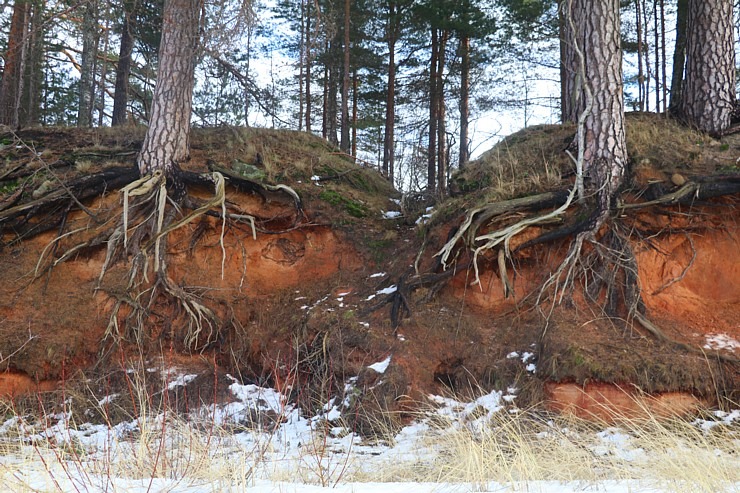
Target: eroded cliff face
column 302, row 303
column 689, row 280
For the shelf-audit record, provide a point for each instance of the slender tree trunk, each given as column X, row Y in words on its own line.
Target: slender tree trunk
column 301, row 64
column 90, row 44
column 167, row 141
column 11, row 89
column 104, row 68
column 646, row 49
column 708, row 96
column 562, row 40
column 433, row 120
column 656, row 33
column 308, row 61
column 571, row 81
column 441, row 113
column 663, row 68
column 34, row 68
column 325, row 106
column 354, row 113
column 640, row 47
column 344, row 143
column 390, row 102
column 123, row 69
column 464, row 100
column 334, row 62
column 605, row 151
column 247, row 95
column 679, row 56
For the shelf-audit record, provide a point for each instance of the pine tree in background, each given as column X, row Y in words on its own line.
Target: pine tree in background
column 708, row 93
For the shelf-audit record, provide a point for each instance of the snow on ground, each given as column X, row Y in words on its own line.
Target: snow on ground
column 272, row 438
column 264, row 442
column 721, row 341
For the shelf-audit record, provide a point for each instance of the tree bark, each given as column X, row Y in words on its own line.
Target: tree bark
column 571, row 91
column 640, row 71
column 441, row 113
column 605, row 151
column 433, row 120
column 166, row 143
column 123, row 69
column 679, row 56
column 355, row 102
column 464, row 99
column 708, row 96
column 656, row 37
column 333, row 63
column 344, row 143
column 308, row 61
column 390, row 101
column 11, row 89
column 90, row 44
column 325, row 104
column 34, row 67
column 301, row 64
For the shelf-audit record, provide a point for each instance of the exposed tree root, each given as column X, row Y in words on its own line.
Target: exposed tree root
column 599, row 256
column 138, row 234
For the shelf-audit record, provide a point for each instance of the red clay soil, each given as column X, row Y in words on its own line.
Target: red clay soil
column 690, row 284
column 287, row 297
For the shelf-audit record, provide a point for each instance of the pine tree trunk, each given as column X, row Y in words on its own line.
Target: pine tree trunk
column 663, row 67
column 325, row 104
column 34, row 76
column 344, row 143
column 433, row 120
column 464, row 100
column 11, row 89
column 605, row 151
column 679, row 56
column 708, row 96
column 656, row 37
column 572, row 103
column 441, row 114
column 166, row 143
column 333, row 62
column 90, row 42
column 390, row 102
column 308, row 61
column 646, row 54
column 123, row 69
column 640, row 71
column 102, row 85
column 301, row 64
column 355, row 102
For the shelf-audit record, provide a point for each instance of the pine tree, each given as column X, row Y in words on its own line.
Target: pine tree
column 708, row 94
column 166, row 143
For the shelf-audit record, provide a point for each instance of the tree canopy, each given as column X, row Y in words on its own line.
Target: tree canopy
column 412, row 87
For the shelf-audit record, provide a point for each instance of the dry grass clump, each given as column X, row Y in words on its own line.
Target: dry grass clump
column 673, row 455
column 534, row 159
column 286, row 155
column 528, row 161
column 665, row 144
column 480, row 446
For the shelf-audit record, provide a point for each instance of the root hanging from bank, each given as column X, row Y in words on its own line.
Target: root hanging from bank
column 146, row 221
column 599, row 262
column 135, row 233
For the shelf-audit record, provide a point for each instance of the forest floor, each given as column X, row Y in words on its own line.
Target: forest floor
column 318, row 288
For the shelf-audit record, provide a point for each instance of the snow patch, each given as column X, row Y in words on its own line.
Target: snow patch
column 721, row 341
column 381, row 366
